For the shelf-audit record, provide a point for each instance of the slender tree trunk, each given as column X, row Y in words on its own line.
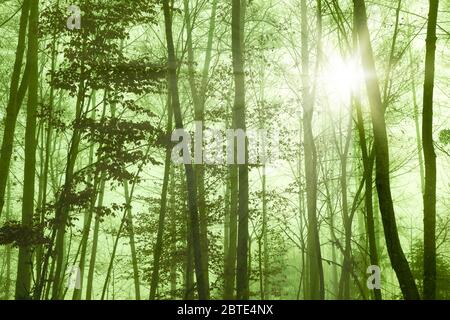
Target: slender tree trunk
column 334, row 240
column 265, row 275
column 62, row 208
column 198, row 168
column 368, row 162
column 304, row 281
column 110, row 270
column 125, row 220
column 158, row 249
column 242, row 281
column 84, row 241
column 41, row 150
column 202, row 287
column 189, row 257
column 89, row 213
column 397, row 257
column 97, row 218
column 226, row 221
column 90, row 277
column 24, row 265
column 263, row 123
column 416, row 123
column 199, row 99
column 8, row 247
column 316, row 285
column 429, row 196
column 230, row 257
column 262, row 242
column 344, row 284
column 173, row 235
column 15, row 101
column 130, row 230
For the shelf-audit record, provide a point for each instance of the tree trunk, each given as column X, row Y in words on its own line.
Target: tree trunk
column 368, row 197
column 265, row 275
column 84, row 241
column 8, row 247
column 242, row 282
column 416, row 123
column 173, row 236
column 344, row 283
column 15, row 101
column 191, row 184
column 90, row 278
column 24, row 264
column 105, row 290
column 230, row 257
column 89, row 213
column 429, row 196
column 62, row 208
column 316, row 285
column 396, row 255
column 199, row 99
column 130, row 230
column 49, row 133
column 189, row 256
column 97, row 218
column 157, row 251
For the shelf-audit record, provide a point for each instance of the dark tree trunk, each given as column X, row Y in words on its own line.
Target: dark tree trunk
column 16, row 95
column 24, row 264
column 242, row 282
column 429, row 196
column 189, row 170
column 395, row 251
column 162, row 210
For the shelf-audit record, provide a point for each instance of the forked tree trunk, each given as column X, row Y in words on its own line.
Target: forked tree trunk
column 189, row 170
column 16, row 95
column 199, row 99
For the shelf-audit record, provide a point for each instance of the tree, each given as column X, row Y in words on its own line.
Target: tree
column 242, row 286
column 162, row 211
column 189, row 170
column 294, row 165
column 316, row 285
column 199, row 100
column 16, row 94
column 397, row 257
column 24, row 265
column 429, row 196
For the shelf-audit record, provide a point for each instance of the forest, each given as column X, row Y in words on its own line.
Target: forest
column 224, row 150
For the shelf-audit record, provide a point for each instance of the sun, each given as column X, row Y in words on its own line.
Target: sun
column 340, row 77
